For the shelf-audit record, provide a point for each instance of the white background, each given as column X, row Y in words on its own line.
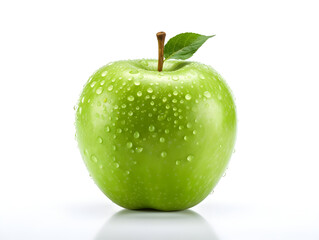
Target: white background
column 268, row 52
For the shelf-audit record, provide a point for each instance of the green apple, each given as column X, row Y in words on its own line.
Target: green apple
column 152, row 139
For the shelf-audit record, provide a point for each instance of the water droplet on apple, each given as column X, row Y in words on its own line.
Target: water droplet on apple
column 175, row 93
column 137, row 83
column 166, row 131
column 162, row 139
column 92, row 84
column 127, row 172
column 189, row 125
column 151, row 128
column 207, row 94
column 104, row 73
column 194, row 132
column 130, row 113
column 94, row 158
column 149, row 90
column 134, row 71
column 190, row 158
column 129, row 144
column 116, row 165
column 188, row 97
column 99, row 90
column 136, row 135
column 139, row 149
column 130, row 98
column 163, row 154
column 101, row 166
column 219, row 97
column 119, row 130
column 102, row 82
column 174, row 100
column 107, row 128
column 83, row 99
column 86, row 152
column 139, row 93
column 164, row 99
column 175, row 78
column 178, row 162
column 80, row 110
column 185, row 138
column 110, row 88
column 100, row 140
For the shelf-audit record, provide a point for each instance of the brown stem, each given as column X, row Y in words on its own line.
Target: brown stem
column 160, row 39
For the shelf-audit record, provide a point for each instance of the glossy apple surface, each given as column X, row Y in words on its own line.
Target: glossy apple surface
column 159, row 140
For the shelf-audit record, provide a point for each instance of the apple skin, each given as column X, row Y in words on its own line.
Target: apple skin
column 159, row 140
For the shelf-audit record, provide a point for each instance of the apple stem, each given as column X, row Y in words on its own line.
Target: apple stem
column 160, row 39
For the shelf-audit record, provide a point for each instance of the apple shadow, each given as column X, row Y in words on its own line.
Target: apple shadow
column 155, row 225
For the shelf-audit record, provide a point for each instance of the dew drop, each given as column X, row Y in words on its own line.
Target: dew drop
column 139, row 149
column 188, row 97
column 99, row 90
column 134, row 71
column 104, row 73
column 162, row 139
column 174, row 100
column 207, row 94
column 136, row 135
column 190, row 158
column 151, row 128
column 83, row 100
column 130, row 98
column 178, row 162
column 127, row 172
column 94, row 158
column 175, row 78
column 130, row 113
column 166, row 131
column 185, row 138
column 164, row 99
column 194, row 132
column 107, row 128
column 102, row 82
column 92, row 84
column 163, row 154
column 129, row 144
column 110, row 88
column 116, row 165
column 139, row 93
column 137, row 83
column 189, row 125
column 100, row 140
column 175, row 93
column 149, row 90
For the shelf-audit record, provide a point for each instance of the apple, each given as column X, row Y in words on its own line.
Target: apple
column 159, row 140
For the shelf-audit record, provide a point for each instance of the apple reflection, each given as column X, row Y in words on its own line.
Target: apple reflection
column 153, row 225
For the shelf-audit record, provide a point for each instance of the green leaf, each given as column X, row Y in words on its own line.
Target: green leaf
column 184, row 45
